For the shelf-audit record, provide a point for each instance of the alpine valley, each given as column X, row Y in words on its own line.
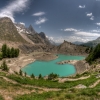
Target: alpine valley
column 22, row 47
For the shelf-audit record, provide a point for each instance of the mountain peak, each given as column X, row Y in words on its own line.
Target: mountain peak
column 42, row 34
column 31, row 29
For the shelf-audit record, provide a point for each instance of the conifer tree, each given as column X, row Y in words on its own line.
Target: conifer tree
column 4, row 51
column 4, row 66
column 12, row 52
column 20, row 72
column 32, row 76
column 8, row 52
column 40, row 76
column 25, row 74
column 1, row 56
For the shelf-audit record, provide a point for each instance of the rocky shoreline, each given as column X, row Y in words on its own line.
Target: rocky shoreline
column 80, row 65
column 15, row 64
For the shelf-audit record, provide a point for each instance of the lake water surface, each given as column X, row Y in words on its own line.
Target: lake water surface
column 47, row 67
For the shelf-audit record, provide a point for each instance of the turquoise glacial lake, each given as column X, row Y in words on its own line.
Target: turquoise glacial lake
column 47, row 67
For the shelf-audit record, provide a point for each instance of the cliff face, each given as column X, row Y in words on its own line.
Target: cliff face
column 43, row 36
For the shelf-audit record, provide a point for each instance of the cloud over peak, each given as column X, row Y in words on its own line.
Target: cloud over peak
column 22, row 23
column 39, row 14
column 13, row 7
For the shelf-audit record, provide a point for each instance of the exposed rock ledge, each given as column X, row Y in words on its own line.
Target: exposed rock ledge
column 80, row 65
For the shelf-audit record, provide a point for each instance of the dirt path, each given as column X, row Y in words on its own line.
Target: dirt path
column 9, row 80
column 61, row 80
column 30, row 86
column 93, row 85
column 8, row 94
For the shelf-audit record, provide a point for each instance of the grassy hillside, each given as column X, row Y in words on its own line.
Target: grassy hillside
column 18, row 87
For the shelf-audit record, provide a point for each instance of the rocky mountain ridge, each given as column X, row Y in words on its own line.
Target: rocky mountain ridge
column 32, row 35
column 69, row 48
column 31, row 41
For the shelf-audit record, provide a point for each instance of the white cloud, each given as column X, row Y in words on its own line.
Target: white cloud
column 88, row 34
column 73, row 38
column 78, row 38
column 82, row 33
column 78, row 35
column 22, row 23
column 80, row 6
column 13, row 7
column 95, row 31
column 89, row 14
column 51, row 38
column 92, row 18
column 70, row 30
column 40, row 21
column 98, row 24
column 39, row 14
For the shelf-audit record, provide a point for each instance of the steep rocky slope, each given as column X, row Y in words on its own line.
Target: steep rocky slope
column 43, row 36
column 8, row 31
column 31, row 36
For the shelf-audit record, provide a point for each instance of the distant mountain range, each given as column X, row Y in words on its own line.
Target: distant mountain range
column 77, row 42
column 92, row 43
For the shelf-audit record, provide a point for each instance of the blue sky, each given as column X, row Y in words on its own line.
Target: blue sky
column 71, row 20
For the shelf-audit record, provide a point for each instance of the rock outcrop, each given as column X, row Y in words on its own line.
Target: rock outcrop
column 72, row 49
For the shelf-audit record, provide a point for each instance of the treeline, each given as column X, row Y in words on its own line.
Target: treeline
column 7, row 52
column 95, row 54
column 51, row 76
